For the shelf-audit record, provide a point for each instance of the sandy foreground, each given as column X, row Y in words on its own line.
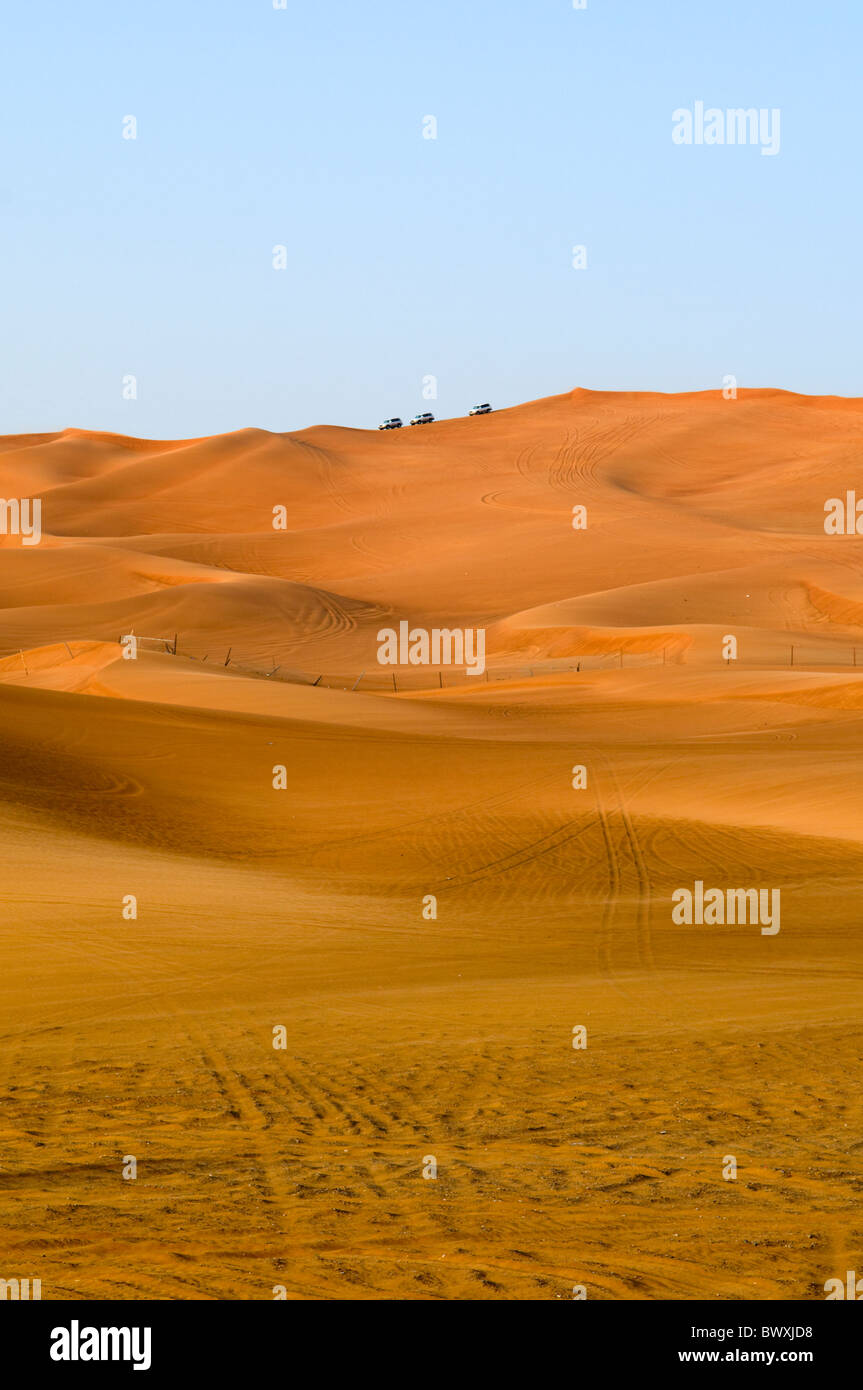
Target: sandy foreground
column 407, row 1037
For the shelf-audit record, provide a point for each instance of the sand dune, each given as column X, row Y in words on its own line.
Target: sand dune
column 302, row 907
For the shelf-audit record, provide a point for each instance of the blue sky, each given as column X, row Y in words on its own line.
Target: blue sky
column 409, row 257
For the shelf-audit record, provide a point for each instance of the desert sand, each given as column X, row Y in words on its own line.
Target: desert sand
column 302, row 1168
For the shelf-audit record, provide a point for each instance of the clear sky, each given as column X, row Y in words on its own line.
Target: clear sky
column 410, row 257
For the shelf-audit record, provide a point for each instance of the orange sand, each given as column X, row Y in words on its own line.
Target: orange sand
column 303, row 907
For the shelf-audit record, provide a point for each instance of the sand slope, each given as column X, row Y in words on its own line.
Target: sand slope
column 302, row 907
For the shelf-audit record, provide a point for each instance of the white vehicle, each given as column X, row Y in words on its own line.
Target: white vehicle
column 393, row 424
column 424, row 419
column 484, row 409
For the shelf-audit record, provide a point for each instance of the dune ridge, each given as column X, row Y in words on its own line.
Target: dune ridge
column 305, row 906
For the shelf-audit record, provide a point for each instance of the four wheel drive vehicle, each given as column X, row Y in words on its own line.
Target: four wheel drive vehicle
column 393, row 424
column 484, row 409
column 424, row 419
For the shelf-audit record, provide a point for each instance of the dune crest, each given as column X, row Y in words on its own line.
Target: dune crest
column 223, row 817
